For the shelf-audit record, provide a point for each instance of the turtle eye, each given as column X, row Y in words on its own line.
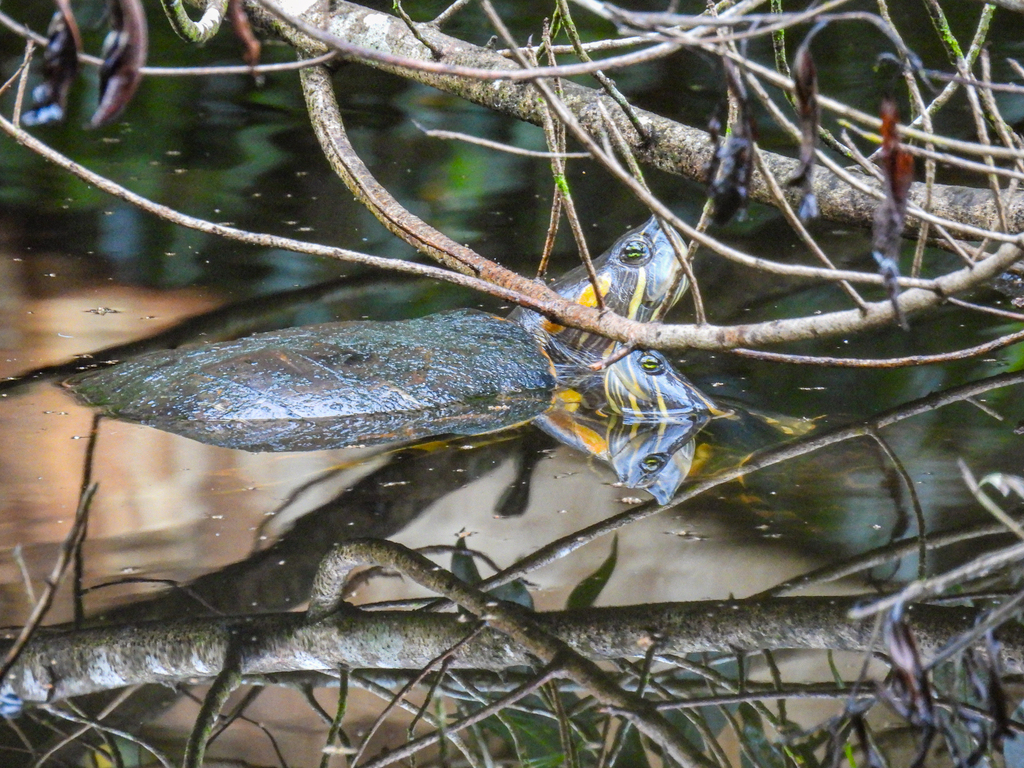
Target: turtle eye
column 653, row 462
column 652, row 364
column 636, row 252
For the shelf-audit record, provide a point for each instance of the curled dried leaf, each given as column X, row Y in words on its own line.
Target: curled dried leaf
column 124, row 55
column 732, row 162
column 243, row 31
column 60, row 67
column 891, row 214
column 911, row 692
column 986, row 677
column 805, row 82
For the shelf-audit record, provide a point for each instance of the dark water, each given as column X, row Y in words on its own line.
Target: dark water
column 250, row 527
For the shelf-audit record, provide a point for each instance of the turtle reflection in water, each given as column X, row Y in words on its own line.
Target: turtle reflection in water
column 640, row 415
column 462, row 372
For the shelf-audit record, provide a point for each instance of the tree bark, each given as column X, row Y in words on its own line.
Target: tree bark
column 674, row 148
column 57, row 665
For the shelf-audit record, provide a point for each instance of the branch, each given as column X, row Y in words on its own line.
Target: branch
column 674, row 148
column 58, row 665
column 509, row 286
column 195, row 31
column 560, row 548
column 326, row 118
column 511, row 620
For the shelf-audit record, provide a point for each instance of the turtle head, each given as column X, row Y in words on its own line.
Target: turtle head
column 644, row 274
column 639, row 277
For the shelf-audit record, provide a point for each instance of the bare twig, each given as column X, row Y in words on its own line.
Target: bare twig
column 195, row 31
column 98, row 725
column 87, row 483
column 415, row 745
column 511, row 620
column 558, row 549
column 915, row 500
column 497, row 145
column 421, row 675
column 226, row 682
column 67, row 550
column 891, row 362
column 990, row 506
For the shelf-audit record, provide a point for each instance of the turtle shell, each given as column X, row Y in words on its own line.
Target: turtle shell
column 335, row 385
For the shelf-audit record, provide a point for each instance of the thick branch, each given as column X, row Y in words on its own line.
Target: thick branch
column 674, row 147
column 509, row 286
column 326, row 118
column 58, row 665
column 512, row 620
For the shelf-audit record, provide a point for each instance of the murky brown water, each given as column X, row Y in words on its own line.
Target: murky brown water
column 79, row 273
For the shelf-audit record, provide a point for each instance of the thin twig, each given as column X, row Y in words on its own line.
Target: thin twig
column 237, row 69
column 18, row 73
column 978, row 568
column 990, row 506
column 884, row 362
column 436, row 52
column 878, row 556
column 441, row 19
column 560, row 548
column 44, row 759
column 79, row 562
column 71, row 543
column 19, row 99
column 1000, row 615
column 226, row 682
column 570, row 27
column 507, row 148
column 26, row 578
column 506, row 618
column 471, row 635
column 915, row 501
column 336, row 731
column 1017, row 316
column 547, row 674
column 195, row 31
column 95, row 723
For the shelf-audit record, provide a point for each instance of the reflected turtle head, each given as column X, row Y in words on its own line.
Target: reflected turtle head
column 654, row 457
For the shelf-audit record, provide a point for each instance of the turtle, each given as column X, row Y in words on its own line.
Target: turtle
column 335, row 385
column 369, row 382
column 644, row 387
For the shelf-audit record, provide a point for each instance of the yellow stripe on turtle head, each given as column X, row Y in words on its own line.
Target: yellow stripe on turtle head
column 638, row 293
column 587, row 297
column 568, row 399
column 662, row 408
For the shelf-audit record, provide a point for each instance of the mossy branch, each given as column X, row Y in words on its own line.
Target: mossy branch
column 195, row 31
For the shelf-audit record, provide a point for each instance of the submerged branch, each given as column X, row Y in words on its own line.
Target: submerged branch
column 57, row 665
